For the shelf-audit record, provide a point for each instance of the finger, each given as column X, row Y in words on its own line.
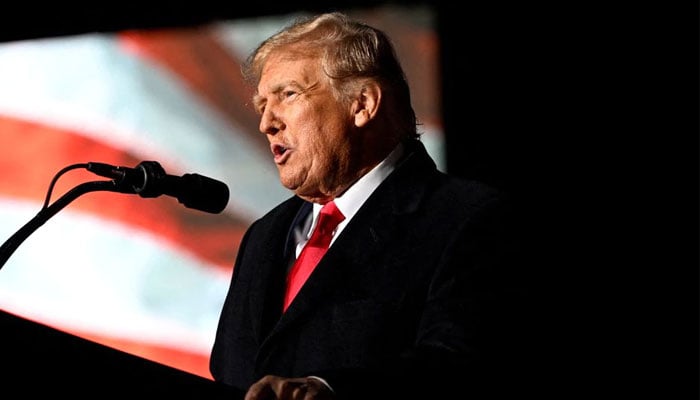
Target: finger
column 316, row 390
column 260, row 390
column 289, row 389
column 298, row 392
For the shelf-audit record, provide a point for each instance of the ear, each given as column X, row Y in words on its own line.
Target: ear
column 367, row 104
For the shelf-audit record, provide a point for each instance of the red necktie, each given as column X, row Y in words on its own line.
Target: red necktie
column 314, row 249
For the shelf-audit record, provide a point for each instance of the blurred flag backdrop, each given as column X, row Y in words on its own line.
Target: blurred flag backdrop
column 148, row 276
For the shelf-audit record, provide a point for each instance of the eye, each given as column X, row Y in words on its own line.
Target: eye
column 288, row 94
column 259, row 105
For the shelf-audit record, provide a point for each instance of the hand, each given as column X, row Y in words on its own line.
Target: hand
column 272, row 387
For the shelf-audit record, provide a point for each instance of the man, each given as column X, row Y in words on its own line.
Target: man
column 412, row 295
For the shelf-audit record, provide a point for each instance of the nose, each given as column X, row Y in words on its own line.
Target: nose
column 270, row 123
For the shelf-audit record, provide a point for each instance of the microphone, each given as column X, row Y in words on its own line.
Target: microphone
column 148, row 179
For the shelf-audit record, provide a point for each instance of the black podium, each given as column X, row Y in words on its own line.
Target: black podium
column 43, row 361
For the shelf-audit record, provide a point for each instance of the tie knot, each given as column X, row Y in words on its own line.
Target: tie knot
column 329, row 218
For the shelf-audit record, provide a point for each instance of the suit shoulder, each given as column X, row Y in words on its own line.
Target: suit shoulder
column 282, row 213
column 292, row 203
column 466, row 191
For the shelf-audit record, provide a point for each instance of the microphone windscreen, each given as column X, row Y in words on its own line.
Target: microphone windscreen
column 203, row 193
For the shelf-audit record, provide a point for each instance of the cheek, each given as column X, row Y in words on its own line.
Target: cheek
column 319, row 148
column 321, row 130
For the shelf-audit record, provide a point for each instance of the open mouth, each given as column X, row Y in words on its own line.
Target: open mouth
column 278, row 150
column 280, row 153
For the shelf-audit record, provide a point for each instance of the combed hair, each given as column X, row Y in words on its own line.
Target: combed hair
column 350, row 51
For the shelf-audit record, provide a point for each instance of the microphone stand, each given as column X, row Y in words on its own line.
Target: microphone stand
column 42, row 216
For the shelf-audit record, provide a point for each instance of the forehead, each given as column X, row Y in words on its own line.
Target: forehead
column 283, row 68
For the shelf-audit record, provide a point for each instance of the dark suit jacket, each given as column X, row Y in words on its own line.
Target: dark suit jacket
column 412, row 296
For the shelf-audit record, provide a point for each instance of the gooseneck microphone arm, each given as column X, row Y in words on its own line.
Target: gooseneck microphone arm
column 11, row 244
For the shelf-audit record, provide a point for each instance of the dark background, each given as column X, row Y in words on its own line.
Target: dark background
column 588, row 113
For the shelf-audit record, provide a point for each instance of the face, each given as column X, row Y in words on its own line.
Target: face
column 310, row 132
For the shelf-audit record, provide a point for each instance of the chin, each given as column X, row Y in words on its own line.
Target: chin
column 289, row 185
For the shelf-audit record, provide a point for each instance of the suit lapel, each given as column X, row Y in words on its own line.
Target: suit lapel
column 267, row 289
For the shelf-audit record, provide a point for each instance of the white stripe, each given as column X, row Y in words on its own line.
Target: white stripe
column 89, row 274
